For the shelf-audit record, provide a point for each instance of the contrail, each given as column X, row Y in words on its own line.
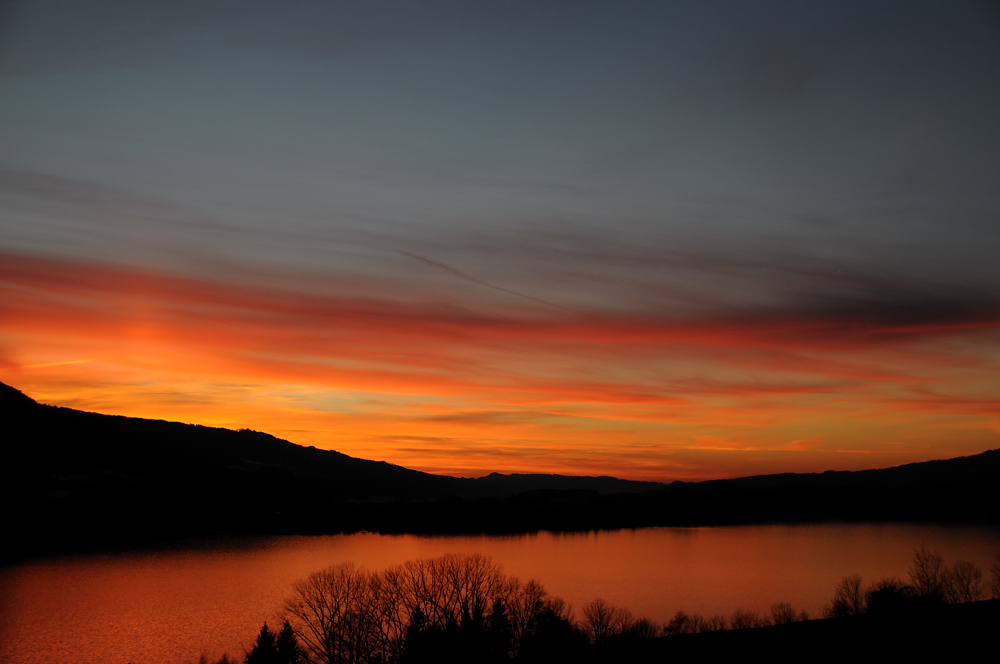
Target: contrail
column 452, row 270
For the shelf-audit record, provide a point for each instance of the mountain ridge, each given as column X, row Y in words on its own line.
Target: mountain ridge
column 519, row 482
column 12, row 400
column 80, row 480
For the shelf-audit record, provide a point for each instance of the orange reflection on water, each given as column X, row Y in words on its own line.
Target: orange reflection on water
column 174, row 606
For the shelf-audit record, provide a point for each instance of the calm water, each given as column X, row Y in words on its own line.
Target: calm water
column 174, row 606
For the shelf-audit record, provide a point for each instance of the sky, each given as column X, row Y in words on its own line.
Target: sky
column 651, row 240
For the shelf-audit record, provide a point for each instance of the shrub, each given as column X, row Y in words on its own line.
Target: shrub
column 888, row 594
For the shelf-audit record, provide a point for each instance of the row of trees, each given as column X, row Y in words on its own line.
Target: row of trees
column 407, row 612
column 271, row 648
column 464, row 608
column 931, row 580
column 781, row 613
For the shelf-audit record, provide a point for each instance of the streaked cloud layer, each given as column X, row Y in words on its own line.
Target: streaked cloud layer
column 659, row 243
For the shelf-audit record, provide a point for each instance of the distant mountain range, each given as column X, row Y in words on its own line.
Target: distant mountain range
column 74, row 480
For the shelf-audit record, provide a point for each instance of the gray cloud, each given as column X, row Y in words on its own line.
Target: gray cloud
column 577, row 155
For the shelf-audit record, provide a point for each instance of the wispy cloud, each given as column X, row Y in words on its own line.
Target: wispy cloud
column 435, row 371
column 624, row 238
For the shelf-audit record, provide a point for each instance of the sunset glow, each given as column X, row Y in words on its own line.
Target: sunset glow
column 461, row 390
column 480, row 240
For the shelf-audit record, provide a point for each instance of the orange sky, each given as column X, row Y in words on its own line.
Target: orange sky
column 524, row 389
column 651, row 240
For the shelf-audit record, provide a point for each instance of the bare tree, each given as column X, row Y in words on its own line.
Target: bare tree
column 525, row 605
column 332, row 614
column 848, row 598
column 928, row 575
column 994, row 583
column 715, row 623
column 644, row 628
column 681, row 623
column 684, row 623
column 345, row 614
column 782, row 613
column 698, row 623
column 624, row 621
column 559, row 608
column 965, row 583
column 600, row 620
column 449, row 588
column 743, row 619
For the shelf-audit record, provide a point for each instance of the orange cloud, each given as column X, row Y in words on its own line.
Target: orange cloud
column 459, row 388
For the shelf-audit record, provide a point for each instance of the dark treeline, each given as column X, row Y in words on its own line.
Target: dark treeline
column 931, row 582
column 106, row 482
column 465, row 609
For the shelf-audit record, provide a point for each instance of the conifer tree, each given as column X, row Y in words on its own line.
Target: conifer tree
column 265, row 651
column 287, row 646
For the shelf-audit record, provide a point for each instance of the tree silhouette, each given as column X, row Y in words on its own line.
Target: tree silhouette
column 682, row 623
column 452, row 608
column 965, row 583
column 743, row 619
column 269, row 649
column 848, row 598
column 888, row 595
column 222, row 660
column 928, row 573
column 783, row 613
column 994, row 583
column 715, row 623
column 413, row 642
column 335, row 614
column 499, row 631
column 643, row 628
column 264, row 651
column 552, row 636
column 600, row 620
column 287, row 646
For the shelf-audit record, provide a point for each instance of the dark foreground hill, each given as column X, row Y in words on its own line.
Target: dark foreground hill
column 74, row 480
column 934, row 632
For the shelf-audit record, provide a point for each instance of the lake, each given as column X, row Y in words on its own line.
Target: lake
column 175, row 605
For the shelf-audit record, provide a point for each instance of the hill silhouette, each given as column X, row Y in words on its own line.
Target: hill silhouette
column 79, row 480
